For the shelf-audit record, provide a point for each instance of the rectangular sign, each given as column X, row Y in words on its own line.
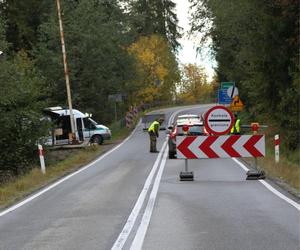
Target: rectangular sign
column 226, row 85
column 223, row 97
column 224, row 146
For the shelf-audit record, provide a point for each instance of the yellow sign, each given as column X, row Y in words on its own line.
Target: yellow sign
column 236, row 104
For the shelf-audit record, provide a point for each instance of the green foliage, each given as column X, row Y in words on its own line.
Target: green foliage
column 256, row 44
column 155, row 17
column 21, row 91
column 97, row 35
column 23, row 20
column 97, row 58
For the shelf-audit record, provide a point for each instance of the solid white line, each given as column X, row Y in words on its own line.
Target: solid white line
column 119, row 243
column 123, row 236
column 20, row 204
column 141, row 232
column 273, row 190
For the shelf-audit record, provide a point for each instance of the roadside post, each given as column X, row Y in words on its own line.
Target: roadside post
column 277, row 143
column 42, row 160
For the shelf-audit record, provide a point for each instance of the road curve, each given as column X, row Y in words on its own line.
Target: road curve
column 131, row 199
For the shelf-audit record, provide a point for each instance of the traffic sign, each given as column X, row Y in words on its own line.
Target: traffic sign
column 218, row 120
column 223, row 97
column 226, row 85
column 232, row 91
column 225, row 146
column 236, row 104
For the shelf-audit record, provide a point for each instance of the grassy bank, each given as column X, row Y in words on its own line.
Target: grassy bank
column 58, row 164
column 287, row 172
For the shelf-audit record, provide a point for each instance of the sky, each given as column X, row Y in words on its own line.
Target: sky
column 188, row 53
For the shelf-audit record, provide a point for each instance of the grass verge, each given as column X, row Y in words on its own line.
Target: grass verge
column 286, row 173
column 59, row 163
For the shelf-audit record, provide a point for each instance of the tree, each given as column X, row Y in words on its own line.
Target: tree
column 157, row 70
column 96, row 39
column 256, row 47
column 21, row 104
column 23, row 20
column 194, row 87
column 156, row 17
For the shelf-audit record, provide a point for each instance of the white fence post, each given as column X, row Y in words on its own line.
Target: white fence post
column 42, row 160
column 277, row 142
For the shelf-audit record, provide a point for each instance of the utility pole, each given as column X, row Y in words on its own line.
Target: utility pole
column 72, row 137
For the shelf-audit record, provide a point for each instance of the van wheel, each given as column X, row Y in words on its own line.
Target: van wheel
column 97, row 139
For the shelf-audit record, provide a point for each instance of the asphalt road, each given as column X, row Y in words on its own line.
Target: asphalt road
column 132, row 199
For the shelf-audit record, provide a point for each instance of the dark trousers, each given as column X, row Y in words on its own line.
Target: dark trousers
column 152, row 141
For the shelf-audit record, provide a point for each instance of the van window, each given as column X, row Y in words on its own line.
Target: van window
column 88, row 123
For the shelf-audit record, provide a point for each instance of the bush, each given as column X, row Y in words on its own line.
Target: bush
column 21, row 101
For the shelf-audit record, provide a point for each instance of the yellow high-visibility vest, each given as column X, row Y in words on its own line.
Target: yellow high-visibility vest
column 236, row 127
column 152, row 126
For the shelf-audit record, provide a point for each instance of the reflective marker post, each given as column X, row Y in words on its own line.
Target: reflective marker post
column 277, row 142
column 42, row 160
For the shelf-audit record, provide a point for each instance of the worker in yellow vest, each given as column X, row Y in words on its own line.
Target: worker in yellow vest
column 236, row 128
column 153, row 134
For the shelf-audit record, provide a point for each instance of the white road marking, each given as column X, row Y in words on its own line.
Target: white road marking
column 268, row 186
column 123, row 236
column 141, row 232
column 20, row 204
column 119, row 243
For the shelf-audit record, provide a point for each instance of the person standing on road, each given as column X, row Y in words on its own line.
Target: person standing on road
column 236, row 128
column 153, row 134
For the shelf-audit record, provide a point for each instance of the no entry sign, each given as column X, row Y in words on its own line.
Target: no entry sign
column 218, row 120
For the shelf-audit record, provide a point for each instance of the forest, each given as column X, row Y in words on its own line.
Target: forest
column 130, row 48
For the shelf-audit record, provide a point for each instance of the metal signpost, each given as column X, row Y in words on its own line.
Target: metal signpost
column 115, row 98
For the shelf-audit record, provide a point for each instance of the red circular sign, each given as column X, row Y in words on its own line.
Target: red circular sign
column 218, row 120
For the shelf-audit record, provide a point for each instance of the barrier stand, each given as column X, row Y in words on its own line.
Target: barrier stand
column 186, row 175
column 255, row 174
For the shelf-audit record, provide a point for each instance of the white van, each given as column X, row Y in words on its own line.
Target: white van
column 86, row 129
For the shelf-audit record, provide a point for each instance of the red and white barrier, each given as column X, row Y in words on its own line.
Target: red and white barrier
column 42, row 160
column 130, row 116
column 277, row 143
column 227, row 146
